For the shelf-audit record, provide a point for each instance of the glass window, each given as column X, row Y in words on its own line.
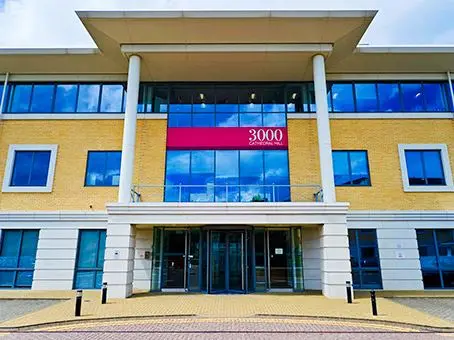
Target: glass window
column 424, row 167
column 161, row 100
column 389, row 97
column 112, row 98
column 412, row 97
column 218, row 176
column 227, row 119
column 276, row 173
column 65, row 98
column 351, row 168
column 251, row 120
column 177, row 172
column 42, row 98
column 20, row 101
column 17, row 258
column 274, row 100
column 88, row 100
column 274, row 120
column 227, row 174
column 180, row 100
column 436, row 254
column 1, row 95
column 364, row 258
column 251, row 176
column 30, row 168
column 90, row 259
column 342, row 98
column 366, row 97
column 435, row 97
column 179, row 120
column 250, row 100
column 294, row 99
column 103, row 168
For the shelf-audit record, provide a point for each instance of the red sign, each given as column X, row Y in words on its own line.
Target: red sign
column 226, row 138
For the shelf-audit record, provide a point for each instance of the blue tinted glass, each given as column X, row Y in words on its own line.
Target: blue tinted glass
column 366, row 97
column 40, row 168
column 435, row 97
column 85, row 279
column 203, row 108
column 251, row 175
column 42, row 98
column 177, row 172
column 359, row 168
column 227, row 119
column 111, row 98
column 251, row 107
column 226, row 108
column 24, row 278
column 433, row 168
column 179, row 120
column 161, row 99
column 227, row 174
column 65, row 98
column 1, row 95
column 342, row 95
column 88, row 98
column 273, row 107
column 21, row 98
column 113, row 163
column 7, row 278
column 175, row 108
column 88, row 249
column 203, row 120
column 389, row 97
column 202, row 174
column 28, row 249
column 251, row 119
column 102, row 248
column 412, row 97
column 10, row 248
column 30, row 168
column 274, row 120
column 341, row 168
column 450, row 99
column 103, row 168
column 276, row 173
column 415, row 167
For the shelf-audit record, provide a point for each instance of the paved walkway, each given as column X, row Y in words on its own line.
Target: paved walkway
column 218, row 306
column 439, row 307
column 227, row 328
column 11, row 309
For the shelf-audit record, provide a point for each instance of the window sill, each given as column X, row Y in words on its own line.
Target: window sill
column 434, row 188
column 27, row 189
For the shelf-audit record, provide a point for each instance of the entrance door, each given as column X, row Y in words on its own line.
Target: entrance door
column 227, row 267
column 180, row 253
column 280, row 259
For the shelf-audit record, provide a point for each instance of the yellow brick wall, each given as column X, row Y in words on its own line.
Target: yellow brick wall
column 380, row 138
column 75, row 138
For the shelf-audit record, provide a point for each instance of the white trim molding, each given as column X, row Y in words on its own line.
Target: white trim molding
column 376, row 115
column 10, row 167
column 449, row 187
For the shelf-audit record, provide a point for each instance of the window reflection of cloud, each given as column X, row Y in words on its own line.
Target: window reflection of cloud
column 88, row 98
column 111, row 98
column 178, row 161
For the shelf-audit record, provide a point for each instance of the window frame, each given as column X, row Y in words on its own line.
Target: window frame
column 86, row 169
column 446, row 165
column 350, row 169
column 9, row 168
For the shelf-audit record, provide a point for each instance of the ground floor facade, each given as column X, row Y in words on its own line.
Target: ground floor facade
column 393, row 250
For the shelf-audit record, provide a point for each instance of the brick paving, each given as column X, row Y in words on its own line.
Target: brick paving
column 203, row 328
column 11, row 309
column 439, row 307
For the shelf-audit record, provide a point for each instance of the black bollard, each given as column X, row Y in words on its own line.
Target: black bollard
column 78, row 302
column 104, row 293
column 373, row 301
column 349, row 292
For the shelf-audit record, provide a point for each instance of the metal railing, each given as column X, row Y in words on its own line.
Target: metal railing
column 226, row 193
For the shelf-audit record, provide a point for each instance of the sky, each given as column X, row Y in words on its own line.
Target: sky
column 53, row 23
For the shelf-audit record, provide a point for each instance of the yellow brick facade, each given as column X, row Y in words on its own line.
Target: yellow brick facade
column 76, row 137
column 380, row 138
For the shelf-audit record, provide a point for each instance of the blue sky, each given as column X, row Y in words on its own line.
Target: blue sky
column 53, row 23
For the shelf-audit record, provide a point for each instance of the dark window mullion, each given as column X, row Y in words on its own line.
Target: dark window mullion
column 424, row 172
column 437, row 254
column 355, row 107
column 31, row 169
column 18, row 257
column 54, row 96
column 101, row 86
column 77, row 97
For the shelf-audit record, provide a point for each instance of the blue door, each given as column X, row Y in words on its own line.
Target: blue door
column 90, row 259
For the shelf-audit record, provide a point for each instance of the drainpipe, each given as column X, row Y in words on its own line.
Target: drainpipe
column 2, row 101
column 451, row 89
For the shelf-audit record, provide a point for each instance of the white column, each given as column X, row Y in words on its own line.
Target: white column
column 335, row 260
column 324, row 135
column 129, row 130
column 119, row 260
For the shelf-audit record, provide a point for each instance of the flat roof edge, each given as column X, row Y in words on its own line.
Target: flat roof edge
column 169, row 14
column 406, row 49
column 48, row 51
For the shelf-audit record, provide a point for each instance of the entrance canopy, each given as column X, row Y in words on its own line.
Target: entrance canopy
column 226, row 46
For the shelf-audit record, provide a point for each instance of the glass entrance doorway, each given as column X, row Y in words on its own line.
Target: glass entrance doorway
column 227, row 261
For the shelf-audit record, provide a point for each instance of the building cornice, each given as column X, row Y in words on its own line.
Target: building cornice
column 398, row 215
column 49, row 216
